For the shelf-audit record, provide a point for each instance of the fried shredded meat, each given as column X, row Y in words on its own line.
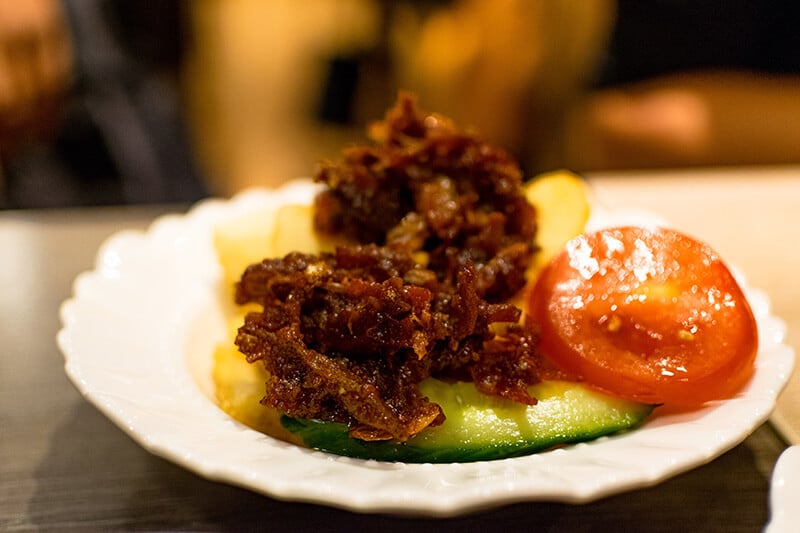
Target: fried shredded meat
column 348, row 336
column 433, row 191
column 443, row 238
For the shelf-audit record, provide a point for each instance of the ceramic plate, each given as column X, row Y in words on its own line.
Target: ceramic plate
column 138, row 335
column 785, row 487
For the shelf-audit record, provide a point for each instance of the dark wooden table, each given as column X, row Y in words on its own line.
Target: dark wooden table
column 64, row 466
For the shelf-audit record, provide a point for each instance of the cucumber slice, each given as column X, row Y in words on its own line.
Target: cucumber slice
column 480, row 428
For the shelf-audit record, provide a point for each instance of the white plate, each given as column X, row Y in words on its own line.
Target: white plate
column 785, row 493
column 138, row 336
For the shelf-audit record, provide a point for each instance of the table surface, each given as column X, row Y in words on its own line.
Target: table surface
column 63, row 465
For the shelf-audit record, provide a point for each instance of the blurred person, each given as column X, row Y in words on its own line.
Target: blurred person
column 618, row 84
column 278, row 85
column 512, row 69
column 584, row 84
column 89, row 104
column 35, row 68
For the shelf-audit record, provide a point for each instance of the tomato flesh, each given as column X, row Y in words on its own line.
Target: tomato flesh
column 648, row 314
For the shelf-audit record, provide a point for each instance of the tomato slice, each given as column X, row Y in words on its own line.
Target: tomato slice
column 647, row 314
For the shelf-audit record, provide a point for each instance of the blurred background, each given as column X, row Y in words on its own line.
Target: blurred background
column 112, row 102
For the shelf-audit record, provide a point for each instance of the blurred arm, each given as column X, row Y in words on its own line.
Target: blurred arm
column 696, row 119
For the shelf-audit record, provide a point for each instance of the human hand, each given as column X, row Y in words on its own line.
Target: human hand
column 688, row 120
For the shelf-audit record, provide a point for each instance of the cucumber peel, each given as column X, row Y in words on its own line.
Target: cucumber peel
column 480, row 427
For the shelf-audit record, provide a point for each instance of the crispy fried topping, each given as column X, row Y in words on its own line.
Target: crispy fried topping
column 345, row 337
column 425, row 187
column 446, row 236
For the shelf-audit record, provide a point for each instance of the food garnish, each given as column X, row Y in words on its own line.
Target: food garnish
column 648, row 314
column 483, row 428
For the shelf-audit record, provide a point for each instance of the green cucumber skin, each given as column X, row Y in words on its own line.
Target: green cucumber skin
column 482, row 428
